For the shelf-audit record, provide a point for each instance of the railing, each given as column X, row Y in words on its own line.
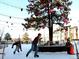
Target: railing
column 76, row 47
column 2, row 48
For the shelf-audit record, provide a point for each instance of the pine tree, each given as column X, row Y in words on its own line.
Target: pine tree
column 47, row 13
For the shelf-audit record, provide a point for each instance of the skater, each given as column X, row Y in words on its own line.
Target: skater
column 18, row 46
column 34, row 46
column 19, row 42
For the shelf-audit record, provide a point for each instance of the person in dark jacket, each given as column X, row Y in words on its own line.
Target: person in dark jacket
column 68, row 45
column 18, row 46
column 34, row 46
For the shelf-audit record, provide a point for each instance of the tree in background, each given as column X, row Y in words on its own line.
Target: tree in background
column 7, row 36
column 25, row 38
column 47, row 13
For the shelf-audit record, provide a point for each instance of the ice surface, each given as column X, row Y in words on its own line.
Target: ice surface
column 42, row 55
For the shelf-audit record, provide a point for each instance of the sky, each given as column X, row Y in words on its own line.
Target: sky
column 13, row 8
column 74, row 13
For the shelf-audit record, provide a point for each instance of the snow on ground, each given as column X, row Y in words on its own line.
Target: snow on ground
column 42, row 55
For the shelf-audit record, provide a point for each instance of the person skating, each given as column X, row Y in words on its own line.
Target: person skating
column 34, row 46
column 18, row 46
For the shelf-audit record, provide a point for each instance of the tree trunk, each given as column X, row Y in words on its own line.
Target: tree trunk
column 50, row 24
column 51, row 35
column 51, row 29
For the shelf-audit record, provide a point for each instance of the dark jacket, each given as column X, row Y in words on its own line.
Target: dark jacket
column 16, row 43
column 35, row 41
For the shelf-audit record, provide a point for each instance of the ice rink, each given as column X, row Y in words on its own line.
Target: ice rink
column 42, row 55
